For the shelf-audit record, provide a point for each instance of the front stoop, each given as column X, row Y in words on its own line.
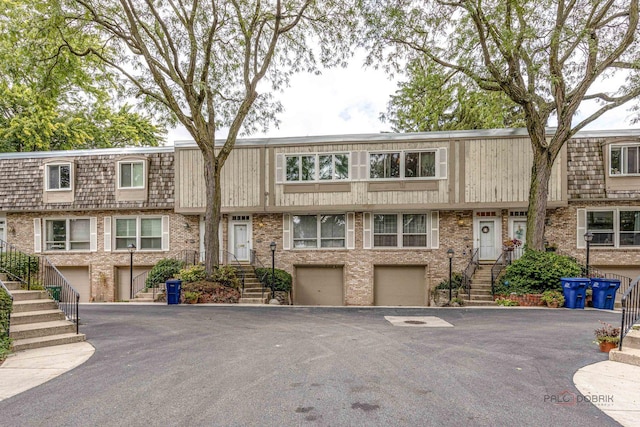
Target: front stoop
column 149, row 296
column 480, row 288
column 37, row 322
column 253, row 292
column 630, row 352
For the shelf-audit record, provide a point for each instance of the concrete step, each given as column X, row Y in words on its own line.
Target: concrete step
column 33, row 305
column 632, row 340
column 51, row 340
column 36, row 316
column 41, row 329
column 630, row 356
column 253, row 301
column 29, row 295
column 12, row 286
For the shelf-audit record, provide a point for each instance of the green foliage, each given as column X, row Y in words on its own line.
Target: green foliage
column 5, row 311
column 164, row 270
column 553, row 297
column 282, row 279
column 192, row 273
column 536, row 272
column 191, row 297
column 436, row 99
column 20, row 265
column 226, row 275
column 505, row 302
column 456, row 282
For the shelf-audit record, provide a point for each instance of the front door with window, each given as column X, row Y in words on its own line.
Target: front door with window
column 240, row 242
column 487, row 240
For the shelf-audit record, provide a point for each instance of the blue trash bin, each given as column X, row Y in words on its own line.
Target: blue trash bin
column 173, row 291
column 575, row 291
column 604, row 292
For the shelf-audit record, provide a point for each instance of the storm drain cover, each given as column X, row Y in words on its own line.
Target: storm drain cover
column 418, row 321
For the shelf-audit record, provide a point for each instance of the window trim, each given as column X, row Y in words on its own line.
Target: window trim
column 58, row 164
column 316, row 172
column 318, row 237
column 403, row 154
column 623, row 156
column 67, row 241
column 144, row 174
column 616, row 227
column 400, row 231
column 164, row 238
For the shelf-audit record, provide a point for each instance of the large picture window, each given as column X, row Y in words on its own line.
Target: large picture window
column 317, row 167
column 625, row 160
column 318, row 231
column 67, row 234
column 131, row 174
column 400, row 230
column 144, row 233
column 614, row 228
column 402, row 165
column 59, row 177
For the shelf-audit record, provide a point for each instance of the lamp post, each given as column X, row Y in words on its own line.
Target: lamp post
column 273, row 267
column 588, row 237
column 450, row 255
column 132, row 249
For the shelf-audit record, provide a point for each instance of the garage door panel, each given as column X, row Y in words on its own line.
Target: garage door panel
column 400, row 286
column 78, row 278
column 318, row 286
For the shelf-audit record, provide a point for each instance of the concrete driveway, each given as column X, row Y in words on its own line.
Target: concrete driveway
column 276, row 366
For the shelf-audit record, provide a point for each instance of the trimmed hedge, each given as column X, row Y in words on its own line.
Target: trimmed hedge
column 164, row 270
column 5, row 311
column 282, row 279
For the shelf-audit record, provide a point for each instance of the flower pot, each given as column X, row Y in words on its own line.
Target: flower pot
column 553, row 304
column 607, row 346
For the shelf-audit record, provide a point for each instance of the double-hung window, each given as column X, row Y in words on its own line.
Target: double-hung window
column 144, row 233
column 131, row 174
column 614, row 228
column 318, row 231
column 317, row 167
column 624, row 160
column 59, row 177
column 67, row 234
column 402, row 165
column 400, row 230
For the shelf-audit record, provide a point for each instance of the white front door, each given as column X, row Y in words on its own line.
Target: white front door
column 487, row 239
column 519, row 231
column 240, row 242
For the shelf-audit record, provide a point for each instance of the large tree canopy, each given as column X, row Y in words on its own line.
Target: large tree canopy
column 437, row 99
column 51, row 99
column 545, row 55
column 203, row 62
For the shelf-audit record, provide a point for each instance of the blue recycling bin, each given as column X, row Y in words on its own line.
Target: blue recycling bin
column 174, row 287
column 604, row 292
column 575, row 291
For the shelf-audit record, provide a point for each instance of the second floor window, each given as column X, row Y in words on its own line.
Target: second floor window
column 131, row 174
column 67, row 234
column 402, row 165
column 625, row 160
column 317, row 167
column 59, row 177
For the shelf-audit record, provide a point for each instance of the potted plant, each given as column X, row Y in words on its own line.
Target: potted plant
column 607, row 337
column 510, row 244
column 191, row 297
column 553, row 299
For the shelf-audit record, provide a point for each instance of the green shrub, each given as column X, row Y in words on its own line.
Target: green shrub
column 456, row 282
column 193, row 273
column 227, row 275
column 5, row 311
column 507, row 302
column 282, row 279
column 164, row 270
column 536, row 272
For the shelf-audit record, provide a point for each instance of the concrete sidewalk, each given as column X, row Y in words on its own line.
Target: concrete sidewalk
column 30, row 368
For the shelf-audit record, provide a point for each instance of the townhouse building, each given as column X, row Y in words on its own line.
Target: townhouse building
column 357, row 219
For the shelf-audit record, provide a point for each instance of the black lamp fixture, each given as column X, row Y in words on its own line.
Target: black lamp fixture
column 272, row 245
column 588, row 237
column 450, row 254
column 132, row 249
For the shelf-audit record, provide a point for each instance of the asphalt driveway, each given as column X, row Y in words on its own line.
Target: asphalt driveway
column 277, row 366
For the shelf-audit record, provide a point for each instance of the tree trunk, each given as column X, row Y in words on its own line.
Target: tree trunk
column 212, row 212
column 538, row 197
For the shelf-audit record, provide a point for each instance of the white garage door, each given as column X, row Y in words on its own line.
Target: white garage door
column 318, row 286
column 399, row 286
column 78, row 277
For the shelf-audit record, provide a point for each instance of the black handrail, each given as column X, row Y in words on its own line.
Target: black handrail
column 6, row 327
column 17, row 265
column 189, row 257
column 496, row 269
column 469, row 270
column 630, row 309
column 257, row 263
column 139, row 283
column 58, row 288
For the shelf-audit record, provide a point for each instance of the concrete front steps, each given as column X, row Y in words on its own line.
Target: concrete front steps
column 37, row 322
column 630, row 349
column 252, row 293
column 480, row 288
column 150, row 296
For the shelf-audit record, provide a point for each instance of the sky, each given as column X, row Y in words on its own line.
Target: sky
column 350, row 100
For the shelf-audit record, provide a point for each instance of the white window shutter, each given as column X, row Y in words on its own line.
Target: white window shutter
column 355, row 165
column 107, row 234
column 366, row 231
column 435, row 230
column 351, row 230
column 442, row 163
column 165, row 232
column 279, row 168
column 364, row 165
column 37, row 235
column 93, row 234
column 582, row 228
column 286, row 232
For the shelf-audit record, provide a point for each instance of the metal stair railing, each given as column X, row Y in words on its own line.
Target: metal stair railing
column 630, row 309
column 188, row 256
column 17, row 265
column 257, row 263
column 469, row 271
column 496, row 269
column 230, row 259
